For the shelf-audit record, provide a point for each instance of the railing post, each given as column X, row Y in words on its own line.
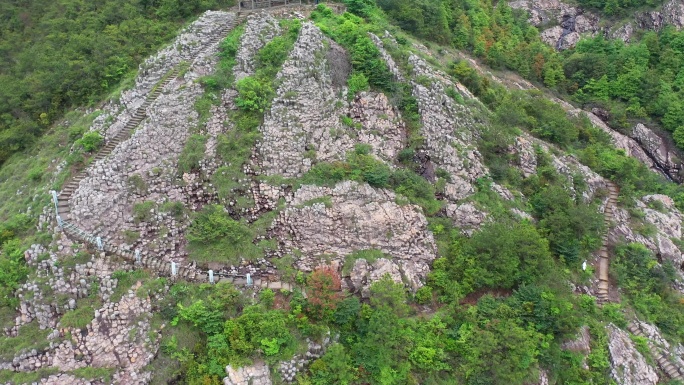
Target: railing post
column 211, row 276
column 55, row 200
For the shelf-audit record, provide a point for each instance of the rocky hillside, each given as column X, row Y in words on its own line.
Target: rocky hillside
column 310, row 195
column 562, row 24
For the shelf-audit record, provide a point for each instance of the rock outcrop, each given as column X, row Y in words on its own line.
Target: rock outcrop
column 255, row 374
column 336, row 222
column 663, row 153
column 628, row 366
column 565, row 23
column 562, row 24
column 448, row 129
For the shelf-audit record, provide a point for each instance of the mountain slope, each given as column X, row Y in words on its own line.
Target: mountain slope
column 317, row 197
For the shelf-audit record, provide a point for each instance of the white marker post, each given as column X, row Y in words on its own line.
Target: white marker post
column 211, row 276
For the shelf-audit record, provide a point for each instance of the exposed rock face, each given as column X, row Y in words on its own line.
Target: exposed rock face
column 660, row 212
column 116, row 338
column 581, row 343
column 563, row 24
column 466, row 217
column 305, row 114
column 380, row 124
column 256, row 374
column 566, row 165
column 570, row 21
column 260, row 29
column 629, row 145
column 660, row 151
column 359, row 217
column 187, row 47
column 628, row 366
column 448, row 129
column 672, row 13
column 393, row 68
column 103, row 203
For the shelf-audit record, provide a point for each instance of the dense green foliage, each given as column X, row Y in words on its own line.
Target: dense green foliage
column 618, row 7
column 58, row 54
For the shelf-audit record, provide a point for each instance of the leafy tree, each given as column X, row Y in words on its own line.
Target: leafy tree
column 323, row 292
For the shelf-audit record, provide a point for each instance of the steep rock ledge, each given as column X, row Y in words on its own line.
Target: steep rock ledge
column 359, row 217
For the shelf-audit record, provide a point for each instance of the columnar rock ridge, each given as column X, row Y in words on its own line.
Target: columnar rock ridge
column 305, row 114
column 259, row 30
column 448, row 129
column 143, row 166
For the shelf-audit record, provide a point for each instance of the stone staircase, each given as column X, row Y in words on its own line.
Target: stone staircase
column 137, row 118
column 604, row 258
column 672, row 370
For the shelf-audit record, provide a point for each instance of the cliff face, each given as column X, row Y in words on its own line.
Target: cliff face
column 311, row 120
column 562, row 24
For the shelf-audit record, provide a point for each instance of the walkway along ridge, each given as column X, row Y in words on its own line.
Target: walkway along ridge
column 604, row 257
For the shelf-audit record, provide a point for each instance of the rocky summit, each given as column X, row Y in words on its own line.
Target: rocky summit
column 357, row 192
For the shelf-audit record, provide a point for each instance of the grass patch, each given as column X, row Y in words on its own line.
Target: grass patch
column 80, row 317
column 8, row 376
column 192, row 155
column 94, row 373
column 29, row 337
column 326, row 200
column 126, row 279
column 143, row 212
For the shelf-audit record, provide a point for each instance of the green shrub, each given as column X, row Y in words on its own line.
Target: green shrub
column 424, row 295
column 192, row 154
column 143, row 212
column 370, row 256
column 213, row 224
column 130, row 236
column 357, row 82
column 253, row 94
column 90, row 141
column 176, row 209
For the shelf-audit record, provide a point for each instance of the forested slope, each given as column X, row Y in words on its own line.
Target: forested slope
column 636, row 82
column 55, row 55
